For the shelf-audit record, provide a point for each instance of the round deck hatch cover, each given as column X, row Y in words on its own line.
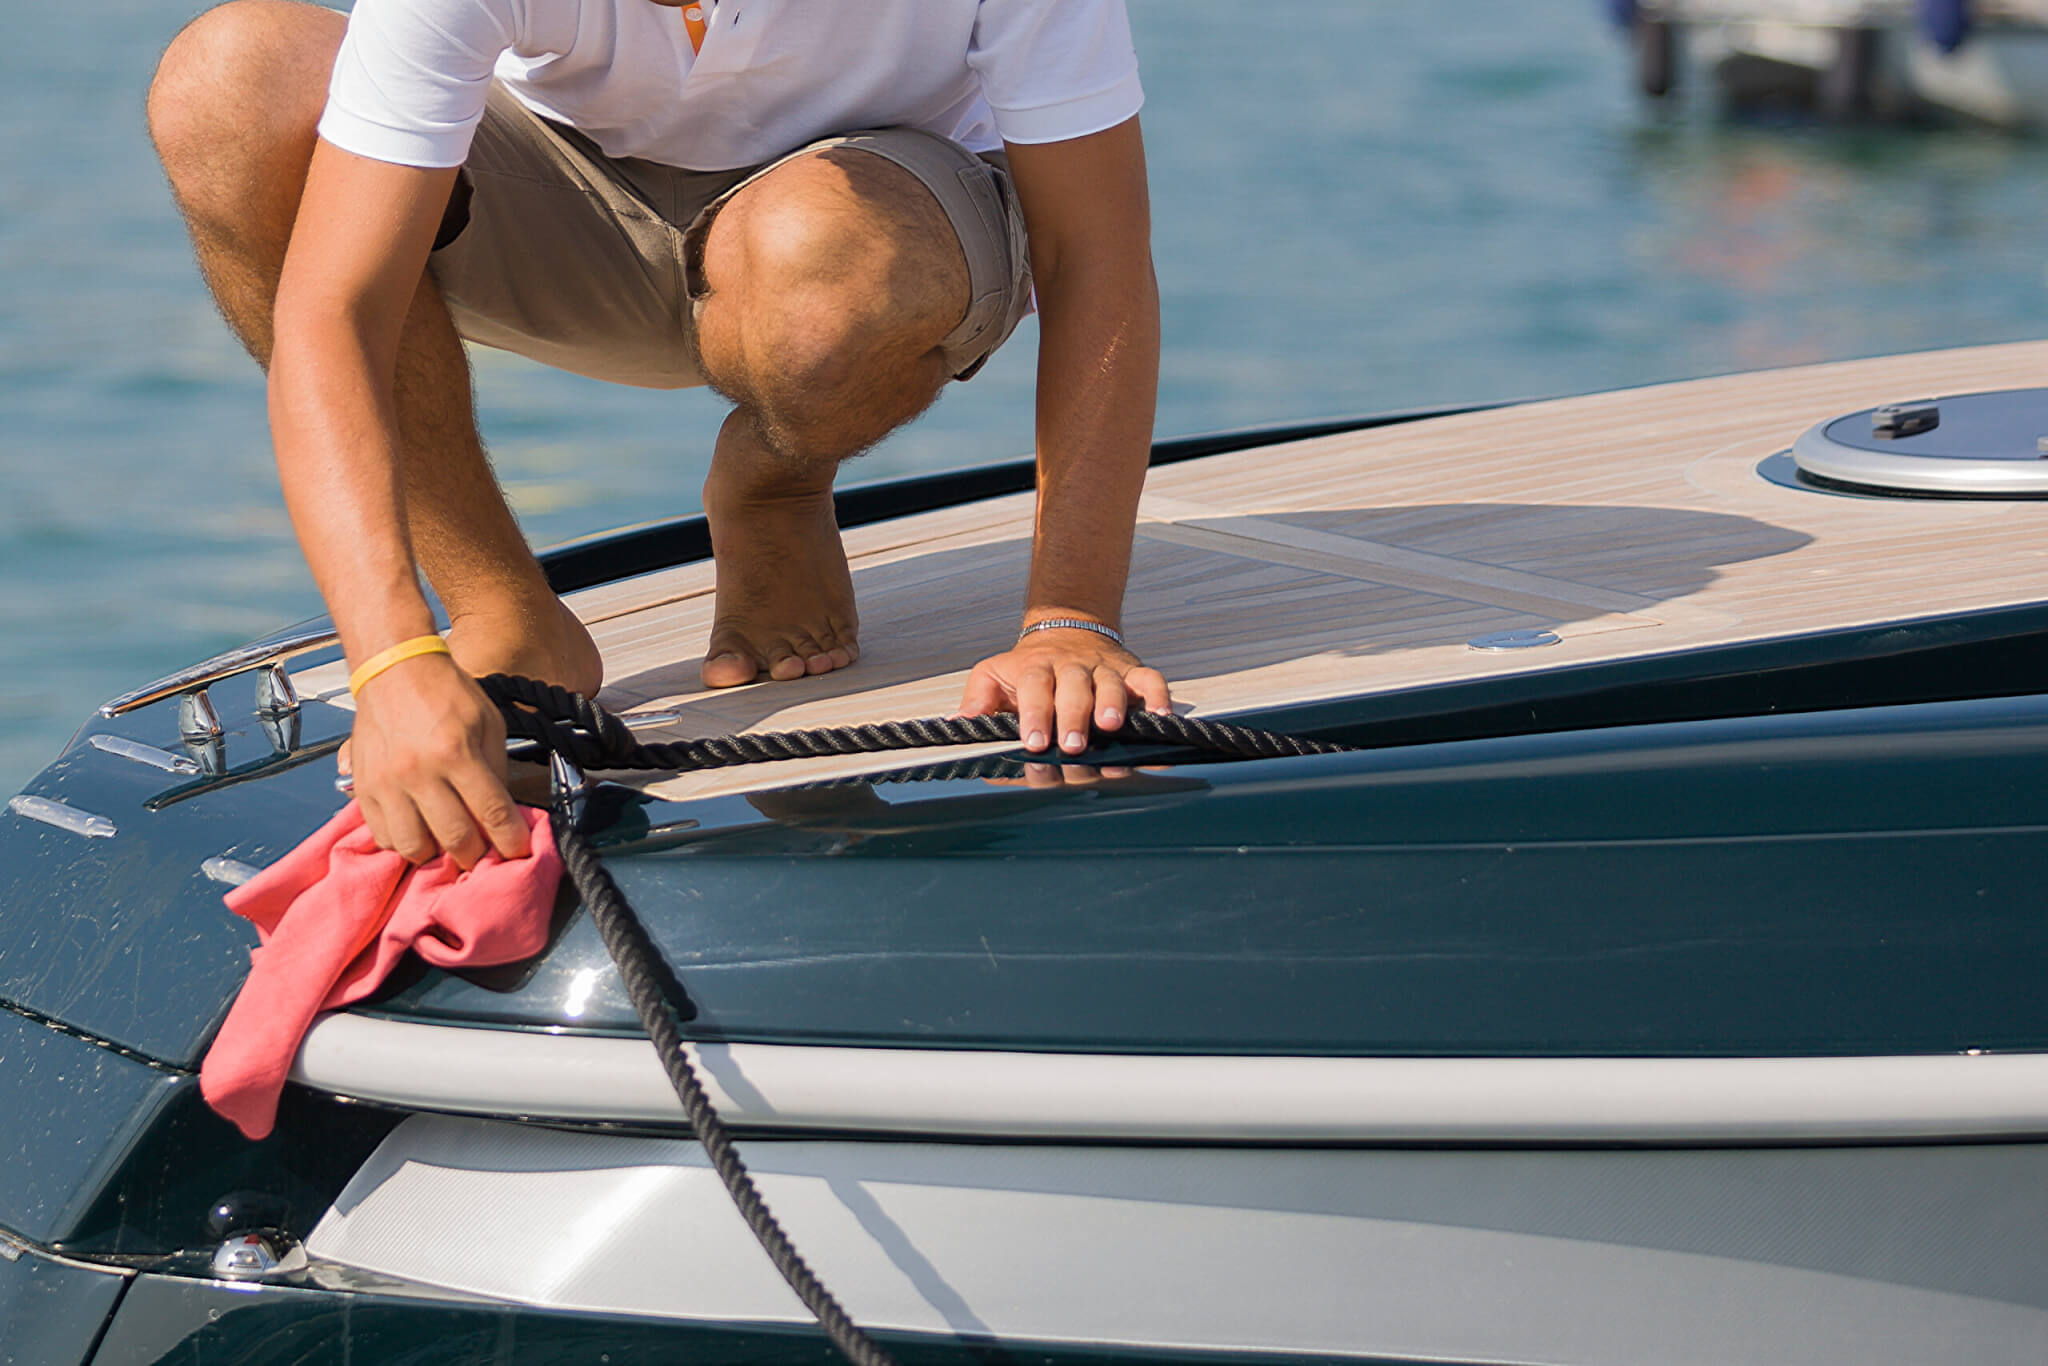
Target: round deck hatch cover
column 1988, row 445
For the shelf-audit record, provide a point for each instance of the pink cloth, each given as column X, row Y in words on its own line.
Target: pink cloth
column 335, row 915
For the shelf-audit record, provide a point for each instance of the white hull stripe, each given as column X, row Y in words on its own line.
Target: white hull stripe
column 1189, row 1099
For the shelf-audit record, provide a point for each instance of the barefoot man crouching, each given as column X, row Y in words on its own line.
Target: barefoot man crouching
column 819, row 208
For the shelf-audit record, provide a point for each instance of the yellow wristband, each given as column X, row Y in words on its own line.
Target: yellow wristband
column 397, row 654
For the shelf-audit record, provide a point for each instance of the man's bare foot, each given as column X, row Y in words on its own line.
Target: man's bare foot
column 545, row 641
column 785, row 596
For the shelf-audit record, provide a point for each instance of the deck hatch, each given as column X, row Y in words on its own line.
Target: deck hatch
column 1988, row 445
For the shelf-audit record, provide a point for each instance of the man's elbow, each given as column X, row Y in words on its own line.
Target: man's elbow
column 1109, row 249
column 316, row 328
column 314, row 345
column 1120, row 277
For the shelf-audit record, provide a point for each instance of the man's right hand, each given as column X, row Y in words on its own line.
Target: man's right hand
column 428, row 758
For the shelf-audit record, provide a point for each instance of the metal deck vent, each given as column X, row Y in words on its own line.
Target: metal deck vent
column 1992, row 445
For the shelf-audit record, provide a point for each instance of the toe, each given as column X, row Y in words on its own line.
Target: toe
column 831, row 648
column 785, row 663
column 836, row 642
column 810, row 655
column 728, row 668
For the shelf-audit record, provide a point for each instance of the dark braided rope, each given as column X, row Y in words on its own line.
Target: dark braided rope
column 998, row 767
column 626, row 939
column 592, row 737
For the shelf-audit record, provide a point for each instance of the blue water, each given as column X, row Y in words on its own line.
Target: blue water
column 1359, row 206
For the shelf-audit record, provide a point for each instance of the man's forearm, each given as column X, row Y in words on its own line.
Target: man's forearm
column 337, row 459
column 1098, row 381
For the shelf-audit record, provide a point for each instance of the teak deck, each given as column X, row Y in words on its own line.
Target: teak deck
column 1628, row 523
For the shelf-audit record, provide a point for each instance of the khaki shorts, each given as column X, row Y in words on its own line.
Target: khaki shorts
column 586, row 262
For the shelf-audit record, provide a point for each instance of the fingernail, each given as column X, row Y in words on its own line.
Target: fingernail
column 1111, row 718
column 1075, row 740
column 1035, row 740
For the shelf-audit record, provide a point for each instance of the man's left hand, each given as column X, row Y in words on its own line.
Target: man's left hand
column 1057, row 681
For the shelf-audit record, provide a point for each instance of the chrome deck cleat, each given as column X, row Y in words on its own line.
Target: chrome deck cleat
column 197, row 719
column 275, row 695
column 274, row 691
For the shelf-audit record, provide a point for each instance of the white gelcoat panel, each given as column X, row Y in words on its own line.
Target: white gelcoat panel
column 1593, row 1257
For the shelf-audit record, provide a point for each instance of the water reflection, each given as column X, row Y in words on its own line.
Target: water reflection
column 1793, row 243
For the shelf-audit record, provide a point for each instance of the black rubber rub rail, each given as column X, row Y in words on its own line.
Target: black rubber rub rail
column 587, row 735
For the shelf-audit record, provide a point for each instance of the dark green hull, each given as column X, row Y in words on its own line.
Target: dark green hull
column 1824, row 846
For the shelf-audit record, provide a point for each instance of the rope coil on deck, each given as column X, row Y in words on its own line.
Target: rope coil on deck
column 591, row 737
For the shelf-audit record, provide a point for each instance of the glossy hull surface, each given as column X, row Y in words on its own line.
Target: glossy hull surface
column 1673, row 1002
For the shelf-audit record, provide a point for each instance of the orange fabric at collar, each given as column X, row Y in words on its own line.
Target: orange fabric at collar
column 335, row 915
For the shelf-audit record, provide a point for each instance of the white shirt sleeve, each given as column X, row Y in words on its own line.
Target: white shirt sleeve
column 1055, row 69
column 410, row 80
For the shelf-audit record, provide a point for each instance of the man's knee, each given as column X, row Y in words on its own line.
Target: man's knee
column 825, row 403
column 828, row 377
column 832, row 286
column 242, row 81
column 856, row 220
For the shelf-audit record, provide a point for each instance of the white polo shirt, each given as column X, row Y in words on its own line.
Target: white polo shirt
column 410, row 81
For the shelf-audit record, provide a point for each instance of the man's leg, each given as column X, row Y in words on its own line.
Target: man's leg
column 233, row 110
column 831, row 282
